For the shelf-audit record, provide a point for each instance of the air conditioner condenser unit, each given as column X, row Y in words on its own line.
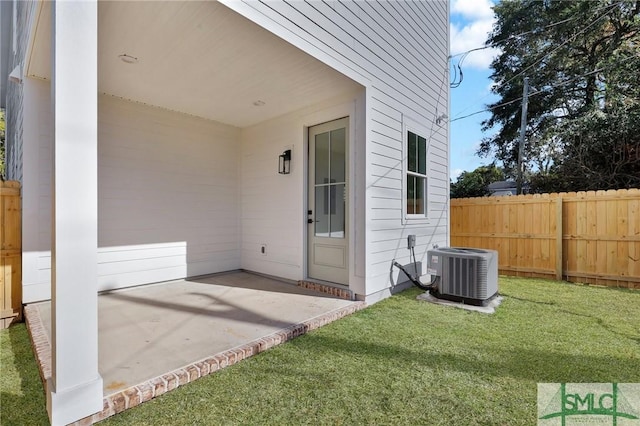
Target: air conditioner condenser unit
column 466, row 275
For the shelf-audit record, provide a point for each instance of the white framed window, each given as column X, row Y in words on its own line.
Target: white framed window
column 416, row 174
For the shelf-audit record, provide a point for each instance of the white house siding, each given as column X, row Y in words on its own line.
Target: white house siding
column 168, row 188
column 273, row 205
column 18, row 46
column 398, row 50
column 271, row 211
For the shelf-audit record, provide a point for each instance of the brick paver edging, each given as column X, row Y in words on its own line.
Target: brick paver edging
column 39, row 342
column 327, row 289
column 136, row 395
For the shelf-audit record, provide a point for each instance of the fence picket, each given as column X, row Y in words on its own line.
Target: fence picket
column 10, row 254
column 590, row 237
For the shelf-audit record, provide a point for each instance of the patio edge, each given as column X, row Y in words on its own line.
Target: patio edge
column 39, row 341
column 146, row 391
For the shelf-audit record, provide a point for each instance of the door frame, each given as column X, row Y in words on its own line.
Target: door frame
column 312, row 240
column 344, row 110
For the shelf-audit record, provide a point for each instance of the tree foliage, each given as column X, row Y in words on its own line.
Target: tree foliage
column 474, row 184
column 582, row 60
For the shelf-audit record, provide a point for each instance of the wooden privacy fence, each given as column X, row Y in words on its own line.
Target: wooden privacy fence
column 10, row 254
column 589, row 237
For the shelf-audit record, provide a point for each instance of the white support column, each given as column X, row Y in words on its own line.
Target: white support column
column 75, row 389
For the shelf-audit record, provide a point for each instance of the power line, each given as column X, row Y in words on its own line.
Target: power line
column 488, row 109
column 470, row 50
column 492, row 45
column 544, row 55
column 457, row 69
column 545, row 90
column 458, row 76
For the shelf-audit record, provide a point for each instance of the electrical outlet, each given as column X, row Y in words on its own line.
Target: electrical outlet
column 411, row 241
column 263, row 249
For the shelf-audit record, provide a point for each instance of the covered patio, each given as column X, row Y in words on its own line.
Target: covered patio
column 157, row 337
column 162, row 126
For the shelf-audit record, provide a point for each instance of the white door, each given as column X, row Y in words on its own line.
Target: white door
column 328, row 222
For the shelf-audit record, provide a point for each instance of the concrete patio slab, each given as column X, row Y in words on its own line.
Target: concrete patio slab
column 154, row 338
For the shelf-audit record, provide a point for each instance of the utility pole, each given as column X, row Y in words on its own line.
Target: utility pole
column 523, row 128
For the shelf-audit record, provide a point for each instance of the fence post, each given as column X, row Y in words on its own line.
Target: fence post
column 559, row 232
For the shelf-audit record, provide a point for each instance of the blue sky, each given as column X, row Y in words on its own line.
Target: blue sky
column 470, row 22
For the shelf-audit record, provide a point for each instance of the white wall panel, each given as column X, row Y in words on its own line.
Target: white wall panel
column 36, row 190
column 273, row 206
column 168, row 197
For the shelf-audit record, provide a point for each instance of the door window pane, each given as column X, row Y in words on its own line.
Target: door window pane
column 330, row 214
column 321, row 217
column 322, row 158
column 337, row 218
column 330, row 188
column 338, row 157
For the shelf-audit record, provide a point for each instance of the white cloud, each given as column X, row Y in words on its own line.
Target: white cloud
column 455, row 173
column 478, row 23
column 473, row 9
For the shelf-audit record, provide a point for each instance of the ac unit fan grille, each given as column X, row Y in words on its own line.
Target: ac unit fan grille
column 465, row 278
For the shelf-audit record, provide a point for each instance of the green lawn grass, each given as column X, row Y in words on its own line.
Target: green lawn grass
column 401, row 361
column 22, row 399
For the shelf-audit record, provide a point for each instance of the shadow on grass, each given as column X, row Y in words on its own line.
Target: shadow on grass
column 22, row 403
column 603, row 324
column 560, row 307
column 536, row 365
column 504, row 279
column 529, row 300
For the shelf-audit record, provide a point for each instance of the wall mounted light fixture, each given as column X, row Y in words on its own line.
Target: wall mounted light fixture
column 284, row 162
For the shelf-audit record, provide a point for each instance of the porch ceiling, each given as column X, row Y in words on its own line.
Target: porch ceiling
column 199, row 58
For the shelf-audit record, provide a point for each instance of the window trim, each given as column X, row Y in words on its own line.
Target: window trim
column 14, row 21
column 414, row 127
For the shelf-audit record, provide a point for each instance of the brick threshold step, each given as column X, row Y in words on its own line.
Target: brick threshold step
column 341, row 293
